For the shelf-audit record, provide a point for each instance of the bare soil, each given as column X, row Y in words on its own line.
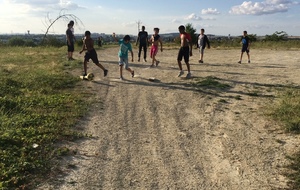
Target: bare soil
column 168, row 134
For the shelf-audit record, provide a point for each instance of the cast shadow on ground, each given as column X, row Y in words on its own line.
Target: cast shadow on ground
column 227, row 92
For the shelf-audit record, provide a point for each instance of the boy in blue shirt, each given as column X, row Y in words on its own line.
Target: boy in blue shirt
column 245, row 46
column 125, row 46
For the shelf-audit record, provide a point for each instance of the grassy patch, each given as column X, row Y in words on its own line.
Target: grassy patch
column 210, row 83
column 39, row 106
column 287, row 112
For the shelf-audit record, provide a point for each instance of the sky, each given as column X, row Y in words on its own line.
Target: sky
column 218, row 17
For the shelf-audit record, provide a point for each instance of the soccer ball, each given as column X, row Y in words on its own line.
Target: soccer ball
column 90, row 76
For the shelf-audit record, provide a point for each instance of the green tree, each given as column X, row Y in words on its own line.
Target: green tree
column 277, row 36
column 192, row 31
column 252, row 37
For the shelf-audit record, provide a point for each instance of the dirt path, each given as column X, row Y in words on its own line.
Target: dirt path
column 169, row 135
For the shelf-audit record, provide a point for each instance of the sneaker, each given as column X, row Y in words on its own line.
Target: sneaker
column 240, row 62
column 145, row 60
column 248, row 61
column 121, row 78
column 132, row 74
column 157, row 62
column 139, row 60
column 200, row 61
column 180, row 73
column 189, row 75
column 105, row 72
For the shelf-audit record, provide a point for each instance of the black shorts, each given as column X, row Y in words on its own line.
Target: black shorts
column 70, row 47
column 91, row 55
column 185, row 53
column 245, row 49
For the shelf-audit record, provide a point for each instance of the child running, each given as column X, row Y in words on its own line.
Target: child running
column 88, row 44
column 125, row 46
column 155, row 40
column 185, row 51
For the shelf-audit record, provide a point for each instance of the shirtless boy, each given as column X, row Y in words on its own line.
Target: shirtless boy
column 88, row 44
column 185, row 51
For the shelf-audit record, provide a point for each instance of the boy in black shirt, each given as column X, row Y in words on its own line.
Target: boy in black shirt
column 143, row 43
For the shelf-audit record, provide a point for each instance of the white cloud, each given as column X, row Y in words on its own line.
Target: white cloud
column 175, row 21
column 129, row 24
column 261, row 8
column 193, row 17
column 210, row 11
column 68, row 5
column 44, row 5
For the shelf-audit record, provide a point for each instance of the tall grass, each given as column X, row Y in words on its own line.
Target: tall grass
column 287, row 112
column 39, row 106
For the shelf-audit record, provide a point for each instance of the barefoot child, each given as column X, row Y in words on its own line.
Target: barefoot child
column 155, row 40
column 125, row 46
column 88, row 44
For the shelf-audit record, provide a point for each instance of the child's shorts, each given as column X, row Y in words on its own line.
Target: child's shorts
column 123, row 61
column 201, row 49
column 153, row 50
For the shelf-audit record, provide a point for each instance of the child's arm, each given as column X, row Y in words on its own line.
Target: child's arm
column 150, row 40
column 191, row 46
column 68, row 39
column 208, row 43
column 161, row 45
column 131, row 55
column 249, row 43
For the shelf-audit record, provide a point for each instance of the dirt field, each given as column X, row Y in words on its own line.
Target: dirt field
column 167, row 134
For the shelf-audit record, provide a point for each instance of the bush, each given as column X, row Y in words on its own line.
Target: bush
column 53, row 41
column 16, row 41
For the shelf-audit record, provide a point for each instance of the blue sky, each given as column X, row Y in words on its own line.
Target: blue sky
column 220, row 17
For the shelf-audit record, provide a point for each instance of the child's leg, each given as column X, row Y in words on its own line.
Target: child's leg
column 128, row 69
column 248, row 56
column 241, row 56
column 85, row 67
column 145, row 51
column 179, row 65
column 201, row 56
column 100, row 65
column 139, row 53
column 153, row 60
column 186, row 60
column 188, row 66
column 121, row 71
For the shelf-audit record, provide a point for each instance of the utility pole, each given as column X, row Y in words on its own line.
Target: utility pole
column 138, row 25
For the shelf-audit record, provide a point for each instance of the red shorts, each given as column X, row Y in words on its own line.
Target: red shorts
column 153, row 50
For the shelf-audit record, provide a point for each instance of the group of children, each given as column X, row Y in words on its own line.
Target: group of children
column 185, row 50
